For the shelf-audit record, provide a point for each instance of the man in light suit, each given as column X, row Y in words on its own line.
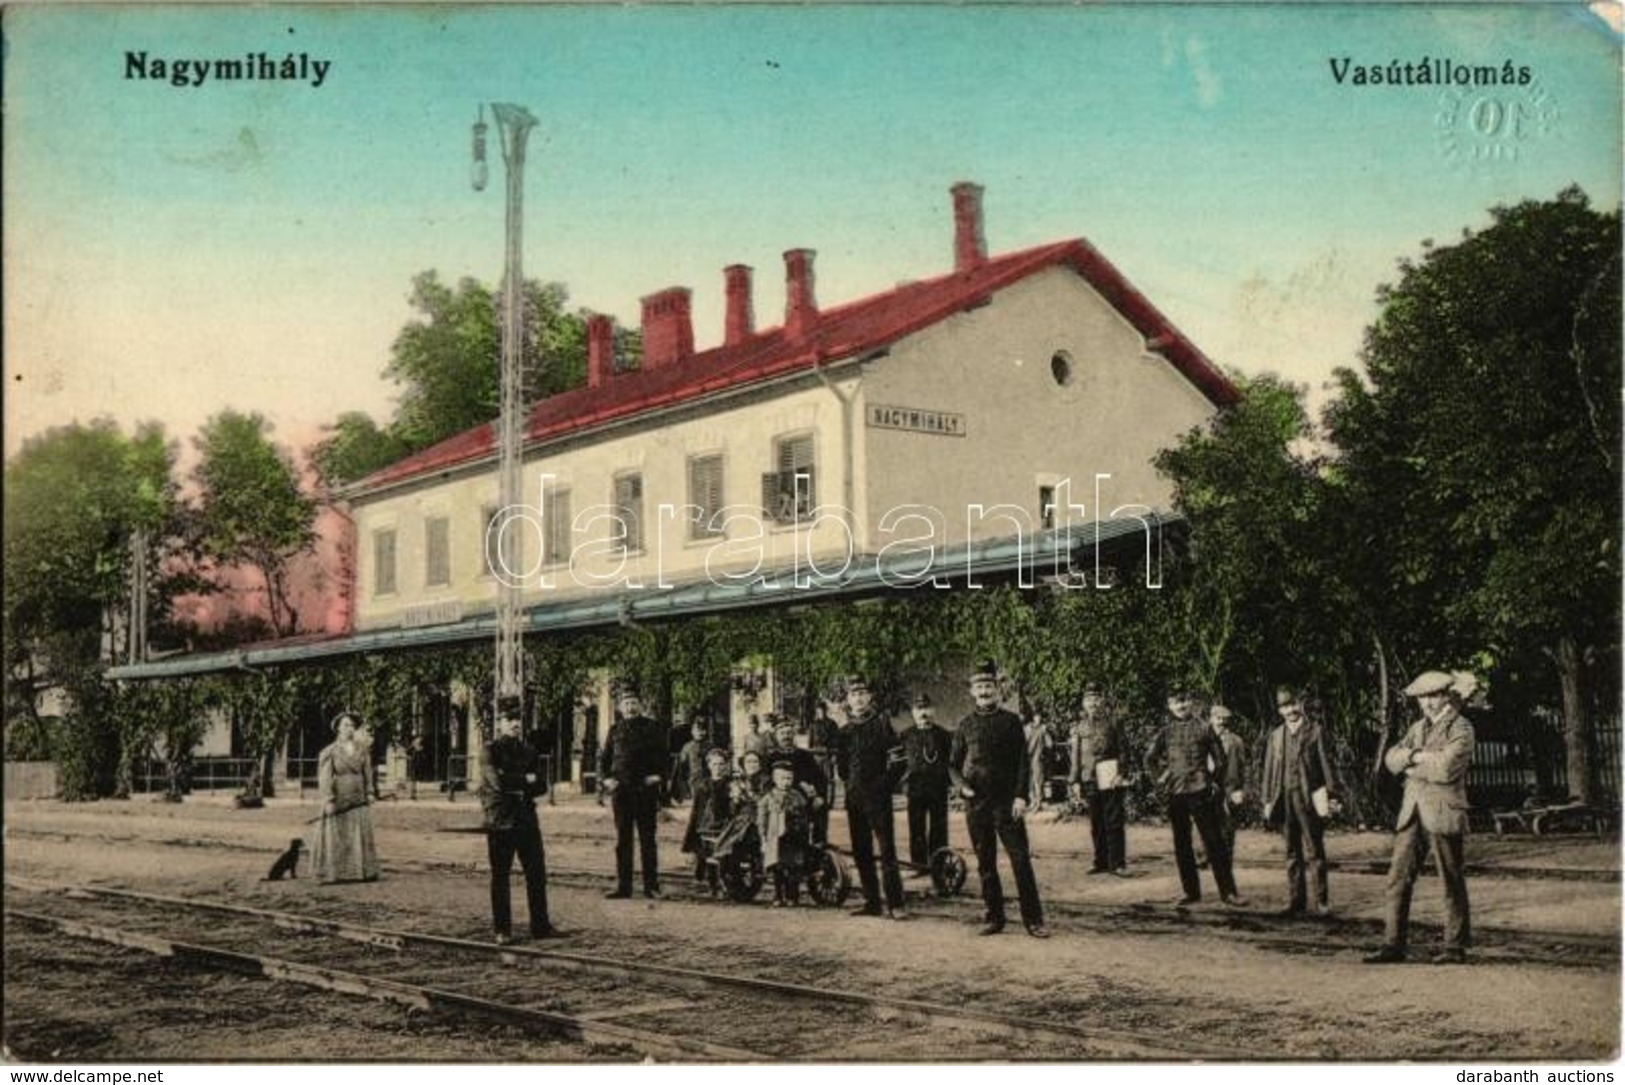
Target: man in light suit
column 1295, row 767
column 1432, row 758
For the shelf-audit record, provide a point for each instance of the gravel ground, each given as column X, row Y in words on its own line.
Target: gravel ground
column 1184, row 985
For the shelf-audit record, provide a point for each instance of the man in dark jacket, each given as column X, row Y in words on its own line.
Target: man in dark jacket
column 1097, row 750
column 988, row 764
column 871, row 762
column 809, row 774
column 926, row 747
column 1296, row 768
column 1185, row 746
column 632, row 766
column 511, row 780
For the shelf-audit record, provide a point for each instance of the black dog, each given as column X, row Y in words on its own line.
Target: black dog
column 287, row 864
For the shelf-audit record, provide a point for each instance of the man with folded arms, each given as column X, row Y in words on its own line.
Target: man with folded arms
column 1432, row 759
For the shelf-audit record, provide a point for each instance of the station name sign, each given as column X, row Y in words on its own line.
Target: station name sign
column 916, row 420
column 443, row 613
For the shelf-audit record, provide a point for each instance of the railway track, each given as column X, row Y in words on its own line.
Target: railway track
column 702, row 1015
column 1296, row 936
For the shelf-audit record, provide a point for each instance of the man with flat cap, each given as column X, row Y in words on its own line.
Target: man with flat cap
column 870, row 763
column 1432, row 759
column 633, row 766
column 1235, row 759
column 988, row 763
column 511, row 781
column 1096, row 750
column 926, row 748
column 1297, row 791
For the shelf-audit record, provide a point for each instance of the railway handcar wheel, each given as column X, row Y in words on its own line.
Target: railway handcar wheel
column 829, row 882
column 948, row 872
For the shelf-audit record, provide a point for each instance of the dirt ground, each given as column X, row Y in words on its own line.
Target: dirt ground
column 1183, row 981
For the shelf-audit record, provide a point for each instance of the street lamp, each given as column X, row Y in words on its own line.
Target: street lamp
column 513, row 126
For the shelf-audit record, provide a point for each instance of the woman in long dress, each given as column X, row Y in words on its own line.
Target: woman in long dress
column 344, row 850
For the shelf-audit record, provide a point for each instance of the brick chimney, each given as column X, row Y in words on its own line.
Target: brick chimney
column 970, row 246
column 600, row 350
column 800, row 304
column 668, row 333
column 739, row 321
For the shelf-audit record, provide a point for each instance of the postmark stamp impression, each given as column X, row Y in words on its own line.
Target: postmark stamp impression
column 1494, row 124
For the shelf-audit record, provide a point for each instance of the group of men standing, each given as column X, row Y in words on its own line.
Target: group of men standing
column 985, row 762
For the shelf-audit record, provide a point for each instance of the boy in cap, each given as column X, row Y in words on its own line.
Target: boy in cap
column 809, row 775
column 511, row 780
column 870, row 761
column 783, row 822
column 1096, row 749
column 1295, row 768
column 1432, row 759
column 633, row 766
column 988, row 763
column 926, row 747
column 1186, row 746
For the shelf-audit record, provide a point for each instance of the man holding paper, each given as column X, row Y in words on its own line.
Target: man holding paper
column 1297, row 796
column 1097, row 774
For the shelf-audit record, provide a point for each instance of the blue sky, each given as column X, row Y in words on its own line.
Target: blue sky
column 172, row 251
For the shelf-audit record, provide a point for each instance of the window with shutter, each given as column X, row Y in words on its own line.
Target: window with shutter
column 436, row 551
column 556, row 529
column 789, row 492
column 705, row 494
column 383, row 562
column 629, row 511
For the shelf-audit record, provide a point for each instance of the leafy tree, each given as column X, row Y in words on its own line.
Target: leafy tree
column 252, row 511
column 1480, row 447
column 446, row 362
column 74, row 498
column 356, row 448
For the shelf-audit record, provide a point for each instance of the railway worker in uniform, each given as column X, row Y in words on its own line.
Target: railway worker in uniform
column 1185, row 746
column 988, row 764
column 511, row 781
column 1236, row 763
column 1096, row 771
column 1432, row 759
column 344, row 850
column 871, row 764
column 926, row 747
column 632, row 766
column 809, row 775
column 1297, row 792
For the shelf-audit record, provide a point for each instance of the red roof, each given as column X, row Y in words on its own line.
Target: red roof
column 857, row 328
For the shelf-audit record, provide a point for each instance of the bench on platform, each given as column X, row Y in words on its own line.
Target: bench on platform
column 1554, row 818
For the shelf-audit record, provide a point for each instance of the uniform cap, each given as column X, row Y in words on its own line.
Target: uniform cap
column 783, row 763
column 986, row 671
column 922, row 700
column 778, row 720
column 1093, row 688
column 509, row 705
column 626, row 687
column 1285, row 696
column 1430, row 682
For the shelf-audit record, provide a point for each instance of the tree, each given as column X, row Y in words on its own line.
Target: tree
column 251, row 509
column 74, row 498
column 446, row 362
column 1482, row 442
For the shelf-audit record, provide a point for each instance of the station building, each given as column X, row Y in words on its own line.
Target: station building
column 990, row 420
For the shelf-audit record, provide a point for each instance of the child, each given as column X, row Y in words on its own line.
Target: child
column 713, row 805
column 783, row 819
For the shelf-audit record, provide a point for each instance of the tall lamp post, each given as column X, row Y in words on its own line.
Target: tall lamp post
column 513, row 126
